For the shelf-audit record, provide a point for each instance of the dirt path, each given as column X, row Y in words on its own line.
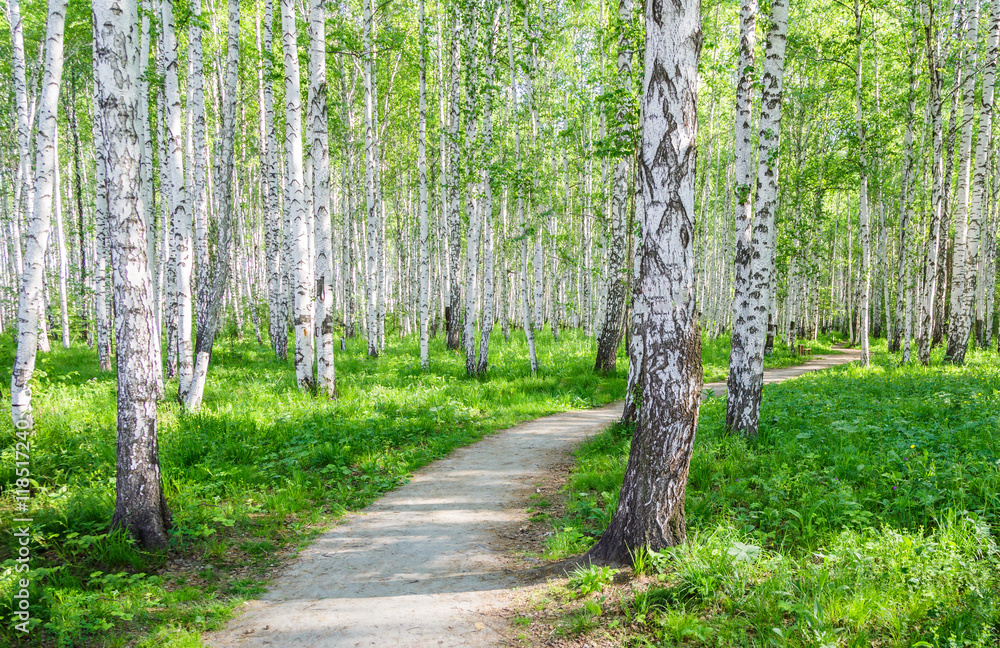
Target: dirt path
column 420, row 568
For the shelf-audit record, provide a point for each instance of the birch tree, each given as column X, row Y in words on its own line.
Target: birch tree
column 611, row 329
column 140, row 506
column 745, row 385
column 650, row 510
column 969, row 217
column 422, row 170
column 319, row 150
column 746, row 325
column 38, row 221
column 278, row 317
column 177, row 206
column 210, row 308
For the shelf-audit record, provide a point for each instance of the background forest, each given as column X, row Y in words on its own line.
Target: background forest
column 376, row 232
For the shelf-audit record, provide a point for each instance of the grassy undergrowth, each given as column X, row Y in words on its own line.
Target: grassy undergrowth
column 256, row 473
column 865, row 514
column 251, row 476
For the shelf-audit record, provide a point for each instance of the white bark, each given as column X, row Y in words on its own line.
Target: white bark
column 140, row 507
column 30, row 298
column 525, row 311
column 746, row 378
column 969, row 217
column 319, row 150
column 278, row 318
column 422, row 164
column 372, row 282
column 178, row 208
column 471, row 32
column 863, row 215
column 217, row 281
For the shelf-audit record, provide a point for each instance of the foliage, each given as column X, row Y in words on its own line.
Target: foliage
column 257, row 471
column 866, row 513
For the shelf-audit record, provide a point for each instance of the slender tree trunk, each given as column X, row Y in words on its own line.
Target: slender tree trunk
column 751, row 321
column 486, row 204
column 63, row 256
column 925, row 322
column 278, row 318
column 742, row 408
column 651, row 504
column 211, row 310
column 319, row 150
column 454, row 216
column 178, row 207
column 422, row 164
column 969, row 216
column 905, row 203
column 140, row 506
column 372, row 283
column 611, row 329
column 863, row 215
column 519, row 187
column 30, row 299
column 471, row 33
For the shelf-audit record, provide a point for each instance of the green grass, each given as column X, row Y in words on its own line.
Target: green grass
column 254, row 474
column 866, row 513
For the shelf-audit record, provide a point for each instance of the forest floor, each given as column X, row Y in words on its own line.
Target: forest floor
column 434, row 563
column 865, row 513
column 258, row 473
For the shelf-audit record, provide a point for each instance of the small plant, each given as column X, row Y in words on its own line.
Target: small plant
column 587, row 580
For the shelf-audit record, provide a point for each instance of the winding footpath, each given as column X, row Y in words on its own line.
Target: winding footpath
column 416, row 569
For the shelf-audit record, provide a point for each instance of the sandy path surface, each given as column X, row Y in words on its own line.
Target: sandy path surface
column 419, row 567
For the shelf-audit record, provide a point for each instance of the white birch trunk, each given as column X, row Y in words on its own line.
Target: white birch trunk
column 372, row 283
column 217, row 281
column 863, row 215
column 178, row 207
column 471, row 31
column 969, row 216
column 140, row 507
column 752, row 305
column 422, row 164
column 278, row 318
column 30, row 300
column 650, row 508
column 525, row 310
column 319, row 151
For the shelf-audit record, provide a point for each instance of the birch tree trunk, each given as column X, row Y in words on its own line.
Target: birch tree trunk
column 30, row 298
column 611, row 329
column 519, row 186
column 454, row 216
column 63, row 256
column 486, row 204
column 210, row 311
column 422, row 164
column 278, row 318
column 199, row 163
column 650, row 509
column 930, row 270
column 140, row 506
column 747, row 326
column 863, row 215
column 319, row 150
column 969, row 216
column 905, row 203
column 173, row 183
column 471, row 32
column 754, row 263
column 372, row 283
